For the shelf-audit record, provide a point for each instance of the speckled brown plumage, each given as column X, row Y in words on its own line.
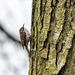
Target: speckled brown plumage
column 24, row 37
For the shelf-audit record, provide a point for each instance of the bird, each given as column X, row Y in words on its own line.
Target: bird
column 24, row 37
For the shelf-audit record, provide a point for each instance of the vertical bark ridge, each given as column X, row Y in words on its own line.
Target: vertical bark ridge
column 66, row 35
column 46, row 20
column 68, row 69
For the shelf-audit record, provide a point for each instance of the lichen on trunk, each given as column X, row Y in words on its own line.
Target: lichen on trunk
column 52, row 32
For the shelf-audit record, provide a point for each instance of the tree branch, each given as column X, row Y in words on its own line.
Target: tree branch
column 11, row 37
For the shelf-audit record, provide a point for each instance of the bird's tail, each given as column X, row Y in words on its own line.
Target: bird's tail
column 28, row 50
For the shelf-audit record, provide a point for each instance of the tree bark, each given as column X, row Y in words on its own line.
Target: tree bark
column 52, row 37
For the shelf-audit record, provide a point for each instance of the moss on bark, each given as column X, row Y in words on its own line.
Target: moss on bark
column 52, row 32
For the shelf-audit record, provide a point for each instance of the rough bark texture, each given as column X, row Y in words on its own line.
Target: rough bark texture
column 53, row 37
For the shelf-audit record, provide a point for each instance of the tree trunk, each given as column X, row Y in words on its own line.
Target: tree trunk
column 53, row 38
